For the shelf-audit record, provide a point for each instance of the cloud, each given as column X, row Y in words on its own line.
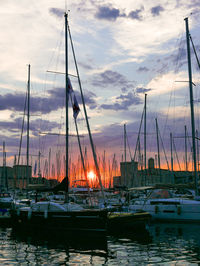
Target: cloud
column 44, row 105
column 155, row 11
column 14, row 127
column 86, row 66
column 108, row 13
column 136, row 14
column 142, row 69
column 58, row 12
column 142, row 90
column 123, row 102
column 112, row 78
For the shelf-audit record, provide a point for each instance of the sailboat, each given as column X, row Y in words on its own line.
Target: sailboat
column 50, row 215
column 161, row 203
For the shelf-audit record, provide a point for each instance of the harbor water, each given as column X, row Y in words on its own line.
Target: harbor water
column 160, row 244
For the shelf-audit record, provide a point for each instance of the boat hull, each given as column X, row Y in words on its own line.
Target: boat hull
column 122, row 221
column 171, row 210
column 72, row 221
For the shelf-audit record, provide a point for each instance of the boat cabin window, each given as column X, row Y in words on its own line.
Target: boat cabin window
column 161, row 194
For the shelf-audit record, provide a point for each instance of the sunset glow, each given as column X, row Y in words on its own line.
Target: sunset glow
column 91, row 175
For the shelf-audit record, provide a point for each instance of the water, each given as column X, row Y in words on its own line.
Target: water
column 160, row 244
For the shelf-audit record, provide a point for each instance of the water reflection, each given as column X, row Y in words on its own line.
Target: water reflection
column 62, row 248
column 166, row 244
column 181, row 240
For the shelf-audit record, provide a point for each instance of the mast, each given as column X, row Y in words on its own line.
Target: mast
column 66, row 98
column 39, row 170
column 172, row 163
column 28, row 118
column 87, row 121
column 197, row 140
column 5, row 181
column 125, row 170
column 186, row 164
column 191, row 105
column 49, row 164
column 145, row 137
column 158, row 147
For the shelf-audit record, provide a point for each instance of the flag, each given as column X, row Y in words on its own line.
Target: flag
column 74, row 101
column 70, row 90
column 75, row 107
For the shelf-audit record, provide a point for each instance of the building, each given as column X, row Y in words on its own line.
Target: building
column 132, row 177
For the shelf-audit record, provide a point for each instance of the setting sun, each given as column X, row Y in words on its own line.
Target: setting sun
column 91, row 175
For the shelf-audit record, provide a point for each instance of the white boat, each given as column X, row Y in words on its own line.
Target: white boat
column 164, row 206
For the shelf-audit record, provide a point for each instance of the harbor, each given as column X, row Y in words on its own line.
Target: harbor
column 100, row 159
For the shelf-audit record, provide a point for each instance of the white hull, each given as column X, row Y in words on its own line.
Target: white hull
column 173, row 209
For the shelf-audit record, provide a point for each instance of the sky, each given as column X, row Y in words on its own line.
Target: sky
column 123, row 49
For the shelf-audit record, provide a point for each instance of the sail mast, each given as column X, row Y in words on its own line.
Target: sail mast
column 191, row 105
column 66, row 97
column 87, row 121
column 145, row 138
column 28, row 117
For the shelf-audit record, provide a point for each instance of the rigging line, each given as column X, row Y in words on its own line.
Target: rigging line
column 129, row 148
column 163, row 149
column 179, row 42
column 138, row 137
column 196, row 56
column 86, row 118
column 22, row 130
column 58, row 47
column 194, row 51
column 176, row 155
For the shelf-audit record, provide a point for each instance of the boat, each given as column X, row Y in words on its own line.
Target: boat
column 164, row 205
column 126, row 220
column 49, row 215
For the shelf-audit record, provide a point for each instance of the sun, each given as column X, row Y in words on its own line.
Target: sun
column 91, row 175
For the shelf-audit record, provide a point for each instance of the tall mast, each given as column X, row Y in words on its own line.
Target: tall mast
column 66, row 97
column 145, row 136
column 87, row 121
column 191, row 105
column 125, row 170
column 28, row 117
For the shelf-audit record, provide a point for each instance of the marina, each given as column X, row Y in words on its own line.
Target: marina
column 100, row 143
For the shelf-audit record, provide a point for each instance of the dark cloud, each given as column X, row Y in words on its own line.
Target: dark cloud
column 15, row 125
column 44, row 105
column 155, row 11
column 136, row 14
column 108, row 13
column 123, row 102
column 58, row 12
column 124, row 90
column 86, row 66
column 111, row 78
column 142, row 90
column 142, row 69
